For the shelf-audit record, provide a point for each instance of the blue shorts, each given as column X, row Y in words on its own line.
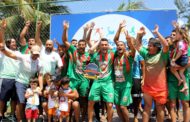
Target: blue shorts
column 20, row 91
column 7, row 89
column 182, row 61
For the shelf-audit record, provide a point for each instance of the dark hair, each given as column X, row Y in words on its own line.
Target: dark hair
column 73, row 40
column 34, row 80
column 61, row 46
column 121, row 42
column 8, row 42
column 56, row 78
column 174, row 30
column 65, row 80
column 82, row 40
column 155, row 42
column 104, row 39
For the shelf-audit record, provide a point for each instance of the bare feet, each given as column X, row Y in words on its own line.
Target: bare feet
column 184, row 89
column 179, row 82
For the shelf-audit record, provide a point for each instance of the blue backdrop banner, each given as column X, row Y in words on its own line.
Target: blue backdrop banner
column 109, row 22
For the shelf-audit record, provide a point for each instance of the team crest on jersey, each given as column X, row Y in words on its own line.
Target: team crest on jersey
column 125, row 99
column 110, row 95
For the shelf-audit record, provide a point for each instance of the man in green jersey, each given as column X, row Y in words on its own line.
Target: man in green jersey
column 103, row 86
column 26, row 47
column 79, row 58
column 123, row 74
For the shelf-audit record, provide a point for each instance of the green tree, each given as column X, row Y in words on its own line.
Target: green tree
column 17, row 12
column 183, row 10
column 131, row 5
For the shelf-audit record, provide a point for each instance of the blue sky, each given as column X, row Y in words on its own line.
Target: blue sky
column 112, row 5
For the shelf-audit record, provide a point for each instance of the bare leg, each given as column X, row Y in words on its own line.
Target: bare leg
column 28, row 120
column 186, row 112
column 109, row 111
column 119, row 112
column 125, row 113
column 45, row 107
column 185, row 87
column 90, row 110
column 177, row 75
column 13, row 107
column 49, row 118
column 160, row 112
column 20, row 111
column 172, row 110
column 147, row 108
column 84, row 106
column 2, row 106
column 34, row 120
column 76, row 108
column 60, row 119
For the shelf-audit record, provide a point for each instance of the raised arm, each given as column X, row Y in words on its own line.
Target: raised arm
column 86, row 28
column 130, row 43
column 65, row 34
column 89, row 42
column 2, row 31
column 56, row 42
column 2, row 45
column 139, row 37
column 23, row 33
column 37, row 36
column 161, row 38
column 121, row 25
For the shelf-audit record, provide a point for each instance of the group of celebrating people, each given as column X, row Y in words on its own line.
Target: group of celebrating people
column 43, row 80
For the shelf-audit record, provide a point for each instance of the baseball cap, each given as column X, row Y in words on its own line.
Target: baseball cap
column 35, row 49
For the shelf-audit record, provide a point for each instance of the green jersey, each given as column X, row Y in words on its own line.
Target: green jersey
column 77, row 63
column 123, row 69
column 105, row 64
column 24, row 49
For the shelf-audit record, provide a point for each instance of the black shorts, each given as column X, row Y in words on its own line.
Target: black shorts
column 8, row 90
column 136, row 89
column 43, row 99
column 182, row 61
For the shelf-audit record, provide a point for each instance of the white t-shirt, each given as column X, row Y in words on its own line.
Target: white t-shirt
column 63, row 101
column 53, row 101
column 33, row 100
column 50, row 61
column 8, row 66
column 27, row 68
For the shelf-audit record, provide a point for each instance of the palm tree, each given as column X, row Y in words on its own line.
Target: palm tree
column 183, row 10
column 16, row 12
column 132, row 5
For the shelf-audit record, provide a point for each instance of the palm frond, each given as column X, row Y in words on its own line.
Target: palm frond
column 121, row 6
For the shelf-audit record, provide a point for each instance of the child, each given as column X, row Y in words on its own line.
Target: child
column 179, row 57
column 32, row 96
column 44, row 99
column 64, row 106
column 53, row 98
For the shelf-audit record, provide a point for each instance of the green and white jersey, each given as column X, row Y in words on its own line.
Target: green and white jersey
column 123, row 69
column 77, row 63
column 105, row 64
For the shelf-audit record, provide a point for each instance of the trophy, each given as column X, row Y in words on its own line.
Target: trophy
column 91, row 71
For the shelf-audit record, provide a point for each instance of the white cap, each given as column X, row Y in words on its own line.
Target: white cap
column 35, row 49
